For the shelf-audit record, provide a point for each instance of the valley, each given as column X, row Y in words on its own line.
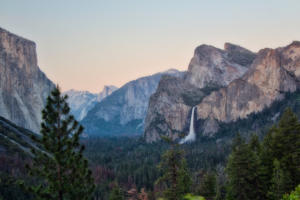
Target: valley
column 227, row 100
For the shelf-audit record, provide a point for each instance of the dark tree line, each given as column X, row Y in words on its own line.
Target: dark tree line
column 267, row 169
column 126, row 168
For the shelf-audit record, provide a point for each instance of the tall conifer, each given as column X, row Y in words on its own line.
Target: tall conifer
column 242, row 172
column 61, row 170
column 175, row 175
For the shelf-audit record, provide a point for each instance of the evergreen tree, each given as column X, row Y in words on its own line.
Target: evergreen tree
column 266, row 163
column 285, row 147
column 280, row 156
column 255, row 144
column 242, row 172
column 279, row 182
column 175, row 175
column 61, row 170
column 116, row 194
column 208, row 186
column 258, row 180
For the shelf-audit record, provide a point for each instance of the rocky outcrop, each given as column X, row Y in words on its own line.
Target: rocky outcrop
column 210, row 69
column 211, row 65
column 23, row 86
column 273, row 73
column 270, row 75
column 124, row 111
column 168, row 108
column 81, row 102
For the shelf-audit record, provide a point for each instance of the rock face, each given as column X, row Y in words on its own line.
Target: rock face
column 23, row 86
column 274, row 72
column 215, row 66
column 124, row 111
column 169, row 109
column 271, row 73
column 81, row 102
column 210, row 69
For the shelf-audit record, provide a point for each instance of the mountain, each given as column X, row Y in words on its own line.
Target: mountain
column 23, row 86
column 210, row 69
column 107, row 90
column 270, row 75
column 123, row 112
column 81, row 102
column 273, row 73
column 211, row 65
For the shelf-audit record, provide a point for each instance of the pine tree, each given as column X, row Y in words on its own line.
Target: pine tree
column 285, row 147
column 282, row 144
column 266, row 160
column 116, row 194
column 254, row 144
column 279, row 182
column 61, row 170
column 258, row 180
column 208, row 186
column 242, row 172
column 175, row 175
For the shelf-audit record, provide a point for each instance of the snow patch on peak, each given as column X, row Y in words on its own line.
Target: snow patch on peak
column 81, row 102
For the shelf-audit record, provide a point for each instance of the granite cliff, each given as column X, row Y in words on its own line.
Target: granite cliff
column 23, row 86
column 273, row 73
column 225, row 86
column 124, row 111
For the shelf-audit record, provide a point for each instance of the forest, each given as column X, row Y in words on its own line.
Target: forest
column 237, row 164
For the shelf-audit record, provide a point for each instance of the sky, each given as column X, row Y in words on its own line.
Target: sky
column 86, row 44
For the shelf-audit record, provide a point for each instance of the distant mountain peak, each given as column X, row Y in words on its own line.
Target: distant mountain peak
column 124, row 111
column 81, row 102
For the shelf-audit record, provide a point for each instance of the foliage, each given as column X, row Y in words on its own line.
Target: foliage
column 60, row 168
column 295, row 195
column 189, row 197
column 192, row 197
column 281, row 156
column 278, row 181
column 131, row 162
column 10, row 190
column 208, row 186
column 175, row 177
column 242, row 170
column 116, row 194
column 269, row 170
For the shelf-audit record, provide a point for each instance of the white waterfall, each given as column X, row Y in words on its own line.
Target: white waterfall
column 192, row 135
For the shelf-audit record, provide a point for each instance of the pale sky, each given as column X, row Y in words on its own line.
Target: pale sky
column 86, row 44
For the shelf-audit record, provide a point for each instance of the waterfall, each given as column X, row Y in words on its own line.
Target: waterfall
column 192, row 135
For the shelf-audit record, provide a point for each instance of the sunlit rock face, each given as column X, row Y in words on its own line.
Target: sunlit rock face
column 224, row 85
column 23, row 86
column 273, row 72
column 168, row 112
column 209, row 69
column 211, row 65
